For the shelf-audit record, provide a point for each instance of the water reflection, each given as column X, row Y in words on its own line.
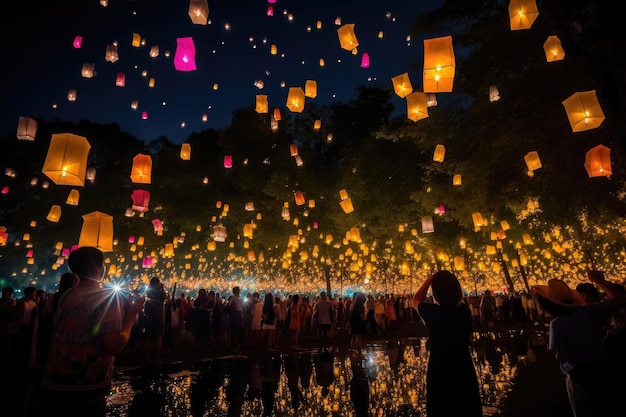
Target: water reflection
column 382, row 380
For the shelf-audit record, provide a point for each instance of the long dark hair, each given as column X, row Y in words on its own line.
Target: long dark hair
column 268, row 307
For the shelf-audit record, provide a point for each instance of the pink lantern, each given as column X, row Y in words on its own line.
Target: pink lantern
column 271, row 1
column 120, row 80
column 131, row 239
column 141, row 200
column 365, row 60
column 78, row 40
column 29, row 253
column 146, row 262
column 157, row 225
column 66, row 251
column 315, row 225
column 228, row 161
column 270, row 11
column 5, row 189
column 144, row 115
column 185, row 56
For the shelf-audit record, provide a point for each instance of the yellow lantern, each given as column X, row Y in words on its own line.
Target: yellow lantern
column 54, row 214
column 185, row 151
column 347, row 37
column 66, row 161
column 97, row 231
column 317, row 125
column 598, row 161
column 343, row 194
column 416, row 107
column 456, row 179
column 526, row 239
column 346, row 205
column 440, row 153
column 402, row 85
column 141, row 171
column 532, row 161
column 459, row 263
column 478, row 220
column 295, row 99
column 439, row 65
column 310, row 89
column 261, row 104
column 522, row 14
column 199, row 12
column 26, row 128
column 72, row 198
column 583, row 111
column 553, row 49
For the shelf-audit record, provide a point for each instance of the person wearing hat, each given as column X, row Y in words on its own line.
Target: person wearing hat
column 451, row 383
column 576, row 335
column 92, row 324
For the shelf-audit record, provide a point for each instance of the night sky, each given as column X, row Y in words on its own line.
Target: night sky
column 232, row 52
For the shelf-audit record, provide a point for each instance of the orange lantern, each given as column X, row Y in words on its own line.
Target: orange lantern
column 141, row 171
column 136, row 42
column 347, row 37
column 346, row 205
column 416, row 107
column 456, row 179
column 553, row 49
column 317, row 125
column 261, row 104
column 293, row 149
column 277, row 116
column 522, row 14
column 402, row 85
column 72, row 198
column 439, row 65
column 97, row 231
column 583, row 111
column 66, row 161
column 295, row 99
column 310, row 89
column 199, row 12
column 532, row 161
column 185, row 151
column 26, row 128
column 440, row 153
column 598, row 161
column 299, row 197
column 54, row 215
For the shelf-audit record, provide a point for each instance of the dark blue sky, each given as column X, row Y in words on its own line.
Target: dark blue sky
column 44, row 65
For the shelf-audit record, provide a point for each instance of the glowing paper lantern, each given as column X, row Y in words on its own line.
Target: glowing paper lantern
column 120, row 80
column 317, row 125
column 402, row 85
column 199, row 12
column 185, row 151
column 26, row 128
column 553, row 49
column 78, row 41
column 154, row 51
column 87, row 71
column 5, row 189
column 440, row 153
column 136, row 42
column 365, row 60
column 54, row 214
column 228, row 161
column 522, row 14
column 494, row 94
column 347, row 37
column 273, row 50
column 66, row 161
column 261, row 105
column 439, row 65
column 346, row 205
column 97, row 231
column 293, row 149
column 532, row 161
column 295, row 99
column 73, row 197
column 416, row 107
column 91, row 174
column 299, row 197
column 185, row 56
column 277, row 115
column 310, row 89
column 219, row 233
column 598, row 161
column 111, row 54
column 270, row 11
column 583, row 111
column 71, row 95
column 427, row 224
column 141, row 172
column 157, row 225
column 141, row 200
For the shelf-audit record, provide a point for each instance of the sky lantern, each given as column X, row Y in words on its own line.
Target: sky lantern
column 120, row 79
column 219, row 233
column 261, row 105
column 494, row 94
column 111, row 54
column 97, row 231
column 71, row 95
column 154, row 51
column 402, row 85
column 365, row 60
column 88, row 70
column 66, row 161
column 299, row 198
column 273, row 49
column 347, row 37
column 522, row 14
column 427, row 224
column 54, row 215
column 78, row 41
column 277, row 115
column 270, row 11
column 90, row 175
column 228, row 161
column 583, row 111
column 532, row 162
column 439, row 65
column 144, row 115
column 295, row 99
column 26, row 128
column 5, row 189
column 185, row 151
column 310, row 88
column 431, row 99
column 553, row 49
column 416, row 107
column 598, row 161
column 293, row 149
column 141, row 172
column 157, row 225
column 185, row 56
column 439, row 154
column 141, row 200
column 346, row 205
column 199, row 12
column 73, row 197
column 136, row 41
column 317, row 124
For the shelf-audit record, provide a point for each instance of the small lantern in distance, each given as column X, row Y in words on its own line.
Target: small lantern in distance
column 598, row 162
column 26, row 128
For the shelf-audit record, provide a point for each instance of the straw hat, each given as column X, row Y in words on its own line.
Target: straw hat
column 559, row 293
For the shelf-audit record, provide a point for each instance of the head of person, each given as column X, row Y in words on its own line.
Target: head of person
column 66, row 281
column 7, row 292
column 87, row 263
column 589, row 292
column 30, row 293
column 557, row 298
column 446, row 288
column 236, row 290
column 155, row 282
column 323, row 294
